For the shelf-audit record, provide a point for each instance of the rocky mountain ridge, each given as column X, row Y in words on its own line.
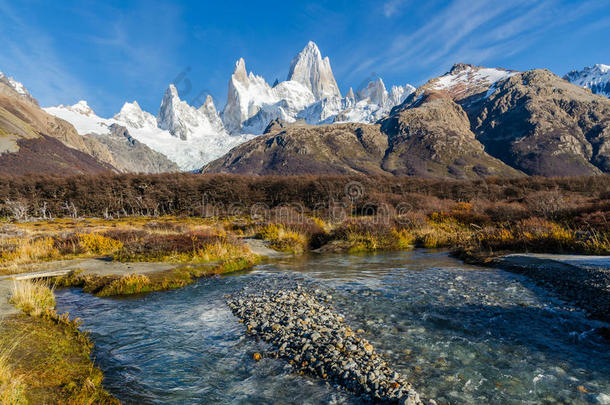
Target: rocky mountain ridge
column 473, row 121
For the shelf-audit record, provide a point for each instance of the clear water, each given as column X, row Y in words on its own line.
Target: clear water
column 462, row 334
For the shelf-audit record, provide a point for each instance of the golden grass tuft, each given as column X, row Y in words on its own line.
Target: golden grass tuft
column 49, row 362
column 283, row 239
column 32, row 297
column 127, row 285
column 402, row 239
column 98, row 244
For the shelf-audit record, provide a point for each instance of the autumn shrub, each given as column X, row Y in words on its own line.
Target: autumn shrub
column 95, row 243
column 126, row 235
column 402, row 239
column 223, row 249
column 464, row 213
column 547, row 204
column 442, row 230
column 503, row 211
column 166, row 226
column 597, row 220
column 379, row 226
column 181, row 248
column 69, row 245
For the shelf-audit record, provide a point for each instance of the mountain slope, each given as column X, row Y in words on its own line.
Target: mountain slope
column 434, row 139
column 299, row 149
column 130, row 155
column 543, row 125
column 32, row 141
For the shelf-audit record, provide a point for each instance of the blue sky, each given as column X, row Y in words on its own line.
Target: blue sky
column 115, row 51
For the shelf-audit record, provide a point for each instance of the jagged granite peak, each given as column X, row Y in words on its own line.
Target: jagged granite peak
column 208, row 109
column 133, row 115
column 314, row 72
column 375, row 92
column 286, row 101
column 398, row 94
column 10, row 86
column 183, row 120
column 247, row 92
column 596, row 78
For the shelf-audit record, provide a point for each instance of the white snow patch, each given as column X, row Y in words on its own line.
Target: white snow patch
column 478, row 76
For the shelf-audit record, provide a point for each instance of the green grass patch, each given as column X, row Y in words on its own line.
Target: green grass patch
column 131, row 284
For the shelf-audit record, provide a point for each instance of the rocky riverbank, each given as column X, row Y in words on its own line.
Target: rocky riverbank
column 582, row 280
column 307, row 332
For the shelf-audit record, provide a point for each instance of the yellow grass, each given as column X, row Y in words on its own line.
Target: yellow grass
column 403, row 239
column 32, row 297
column 12, row 388
column 129, row 284
column 28, row 251
column 283, row 239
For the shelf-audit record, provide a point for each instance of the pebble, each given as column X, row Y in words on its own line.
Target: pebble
column 315, row 340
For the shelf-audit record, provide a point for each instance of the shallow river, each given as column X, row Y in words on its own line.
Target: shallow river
column 462, row 334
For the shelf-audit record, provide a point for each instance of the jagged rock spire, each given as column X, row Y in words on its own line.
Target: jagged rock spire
column 314, row 72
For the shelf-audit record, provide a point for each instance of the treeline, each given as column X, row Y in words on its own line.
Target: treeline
column 195, row 195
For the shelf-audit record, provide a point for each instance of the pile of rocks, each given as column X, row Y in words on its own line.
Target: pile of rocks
column 316, row 341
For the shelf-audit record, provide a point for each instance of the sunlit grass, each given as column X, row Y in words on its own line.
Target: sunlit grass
column 17, row 251
column 283, row 239
column 12, row 388
column 32, row 297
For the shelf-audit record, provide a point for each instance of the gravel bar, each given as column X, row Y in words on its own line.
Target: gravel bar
column 307, row 332
column 574, row 278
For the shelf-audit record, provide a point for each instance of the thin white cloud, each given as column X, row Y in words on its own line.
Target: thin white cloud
column 472, row 32
column 392, row 7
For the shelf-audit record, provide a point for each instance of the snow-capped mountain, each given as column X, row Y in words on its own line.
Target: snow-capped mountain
column 203, row 140
column 252, row 103
column 193, row 136
column 310, row 94
column 596, row 78
column 8, row 84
